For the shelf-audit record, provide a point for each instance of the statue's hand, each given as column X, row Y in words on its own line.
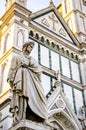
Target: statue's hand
column 10, row 82
column 24, row 65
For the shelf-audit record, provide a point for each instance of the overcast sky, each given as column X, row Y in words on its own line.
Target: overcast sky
column 33, row 5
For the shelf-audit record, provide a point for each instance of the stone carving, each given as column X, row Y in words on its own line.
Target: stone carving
column 62, row 32
column 60, row 103
column 28, row 101
column 55, row 125
column 81, row 116
column 54, row 21
column 81, row 113
column 58, row 79
column 58, row 76
column 67, row 123
column 64, row 121
column 45, row 22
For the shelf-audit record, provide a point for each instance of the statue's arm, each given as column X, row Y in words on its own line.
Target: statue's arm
column 35, row 66
column 12, row 70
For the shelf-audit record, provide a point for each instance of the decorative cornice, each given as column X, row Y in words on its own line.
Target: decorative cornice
column 74, row 11
column 73, row 48
column 83, row 50
column 83, row 45
column 74, row 83
column 63, row 78
column 14, row 13
column 5, row 99
column 82, row 60
column 14, row 7
column 10, row 51
column 79, row 33
column 5, row 55
column 5, row 103
column 15, row 10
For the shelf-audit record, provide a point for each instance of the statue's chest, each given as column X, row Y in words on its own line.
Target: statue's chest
column 25, row 60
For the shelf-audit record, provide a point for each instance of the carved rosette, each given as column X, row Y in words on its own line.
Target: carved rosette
column 60, row 104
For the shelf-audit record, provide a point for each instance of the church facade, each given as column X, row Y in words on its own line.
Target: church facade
column 59, row 35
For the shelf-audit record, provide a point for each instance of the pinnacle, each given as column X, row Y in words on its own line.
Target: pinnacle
column 51, row 3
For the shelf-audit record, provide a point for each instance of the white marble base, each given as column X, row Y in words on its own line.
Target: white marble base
column 29, row 125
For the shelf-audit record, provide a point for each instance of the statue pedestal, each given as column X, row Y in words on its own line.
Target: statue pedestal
column 29, row 125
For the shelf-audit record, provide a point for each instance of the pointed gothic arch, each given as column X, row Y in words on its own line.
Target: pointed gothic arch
column 47, row 42
column 53, row 44
column 42, row 39
column 62, row 119
column 58, row 47
column 62, row 50
column 31, row 33
column 20, row 38
column 37, row 36
column 2, row 77
column 67, row 52
column 6, row 43
column 76, row 57
column 56, row 124
column 72, row 55
column 4, row 73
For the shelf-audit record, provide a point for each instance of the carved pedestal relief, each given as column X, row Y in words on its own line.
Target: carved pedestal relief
column 59, row 121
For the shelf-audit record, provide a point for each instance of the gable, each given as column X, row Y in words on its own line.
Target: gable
column 50, row 22
column 60, row 109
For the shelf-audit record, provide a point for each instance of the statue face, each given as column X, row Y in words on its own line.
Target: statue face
column 29, row 48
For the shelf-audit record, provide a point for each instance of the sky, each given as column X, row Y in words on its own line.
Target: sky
column 33, row 5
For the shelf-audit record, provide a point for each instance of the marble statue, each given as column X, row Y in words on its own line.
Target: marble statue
column 81, row 116
column 57, row 79
column 25, row 81
column 81, row 113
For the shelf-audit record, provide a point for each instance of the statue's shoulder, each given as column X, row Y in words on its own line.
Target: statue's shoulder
column 17, row 57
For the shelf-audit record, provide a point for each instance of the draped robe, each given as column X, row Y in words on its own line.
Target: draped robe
column 25, row 74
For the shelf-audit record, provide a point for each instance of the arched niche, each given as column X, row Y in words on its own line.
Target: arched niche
column 6, row 43
column 47, row 42
column 67, row 52
column 57, row 47
column 42, row 39
column 76, row 57
column 72, row 55
column 20, row 38
column 53, row 44
column 4, row 73
column 62, row 50
column 31, row 33
column 37, row 36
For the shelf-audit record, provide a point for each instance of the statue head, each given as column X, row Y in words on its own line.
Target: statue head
column 26, row 45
